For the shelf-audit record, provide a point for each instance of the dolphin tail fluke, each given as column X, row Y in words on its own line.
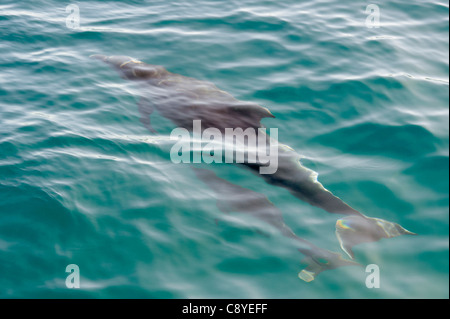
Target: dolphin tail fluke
column 404, row 231
column 354, row 230
column 318, row 265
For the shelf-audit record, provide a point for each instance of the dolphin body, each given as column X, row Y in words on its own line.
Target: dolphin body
column 183, row 100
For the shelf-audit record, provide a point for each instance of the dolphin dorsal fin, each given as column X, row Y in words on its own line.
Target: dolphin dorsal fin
column 252, row 109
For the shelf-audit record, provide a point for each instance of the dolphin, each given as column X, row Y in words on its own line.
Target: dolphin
column 183, row 99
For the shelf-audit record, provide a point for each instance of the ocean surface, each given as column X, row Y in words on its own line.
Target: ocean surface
column 83, row 182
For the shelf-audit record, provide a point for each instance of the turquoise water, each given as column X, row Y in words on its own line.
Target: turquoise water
column 83, row 182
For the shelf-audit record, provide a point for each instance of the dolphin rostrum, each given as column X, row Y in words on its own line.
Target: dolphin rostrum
column 183, row 100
